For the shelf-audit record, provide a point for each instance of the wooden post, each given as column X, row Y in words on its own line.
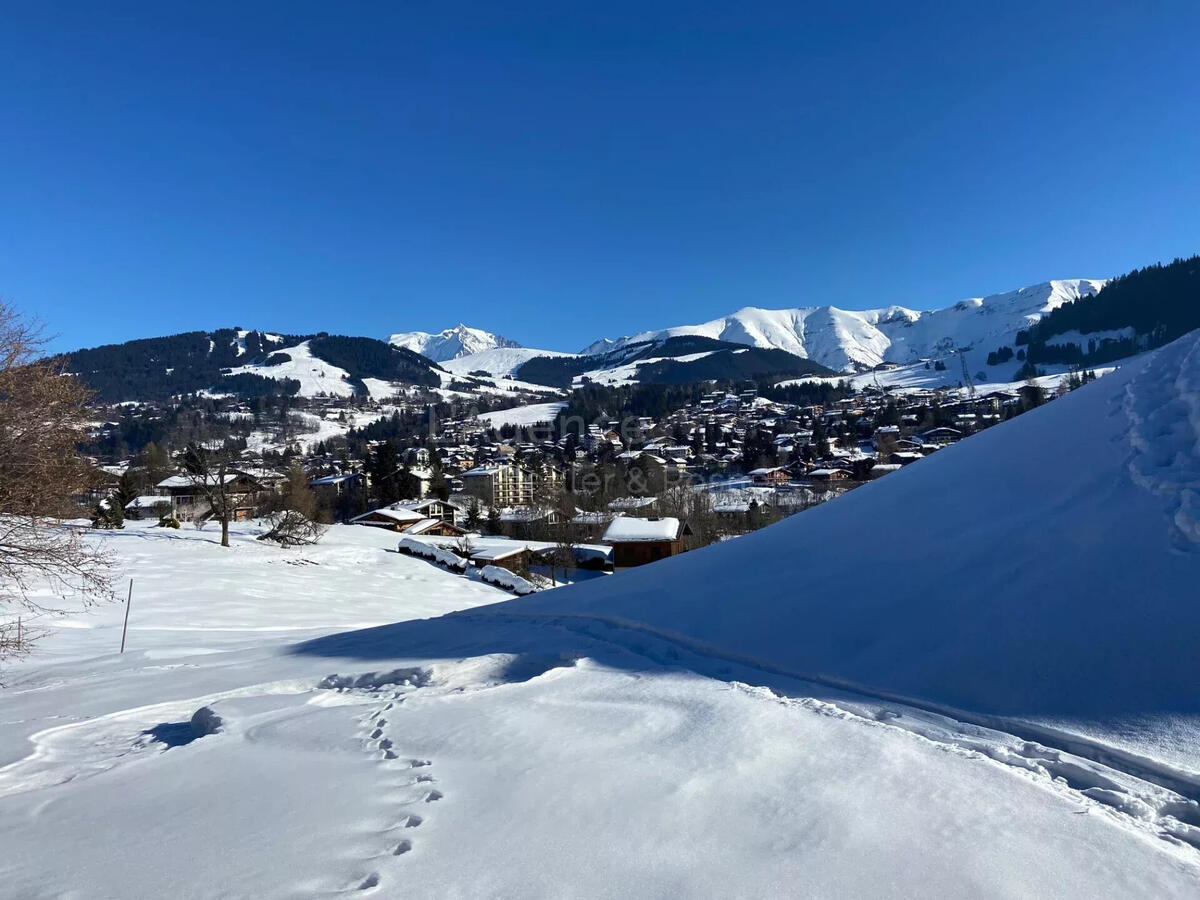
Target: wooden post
column 125, row 627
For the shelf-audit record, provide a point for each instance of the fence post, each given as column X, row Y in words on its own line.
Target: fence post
column 125, row 627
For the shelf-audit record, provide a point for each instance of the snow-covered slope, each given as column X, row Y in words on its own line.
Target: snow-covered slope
column 452, row 343
column 315, row 375
column 247, row 744
column 849, row 339
column 498, row 361
column 1044, row 571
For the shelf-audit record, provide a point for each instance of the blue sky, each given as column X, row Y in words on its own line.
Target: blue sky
column 562, row 172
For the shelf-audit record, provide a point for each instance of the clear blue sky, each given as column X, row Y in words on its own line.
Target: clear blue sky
column 560, row 172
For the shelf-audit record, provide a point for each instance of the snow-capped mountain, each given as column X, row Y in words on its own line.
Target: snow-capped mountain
column 498, row 361
column 461, row 340
column 855, row 339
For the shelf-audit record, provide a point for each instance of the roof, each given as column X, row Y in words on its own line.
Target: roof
column 422, row 504
column 821, row 472
column 494, row 553
column 147, row 502
column 397, row 515
column 627, row 529
column 481, row 470
column 424, row 525
column 333, row 479
column 632, row 502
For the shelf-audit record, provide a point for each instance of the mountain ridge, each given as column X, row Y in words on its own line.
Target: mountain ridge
column 854, row 340
column 452, row 343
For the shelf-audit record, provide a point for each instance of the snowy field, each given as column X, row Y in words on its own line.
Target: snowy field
column 1020, row 634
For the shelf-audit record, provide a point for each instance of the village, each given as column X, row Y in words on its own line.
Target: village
column 556, row 499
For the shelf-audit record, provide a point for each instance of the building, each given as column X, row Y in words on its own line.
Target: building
column 389, row 518
column 189, row 503
column 507, row 484
column 515, row 559
column 775, row 475
column 636, row 542
column 829, row 474
column 434, row 508
column 147, row 507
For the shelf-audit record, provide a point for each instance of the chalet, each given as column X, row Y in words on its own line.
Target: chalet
column 389, row 518
column 589, row 526
column 515, row 559
column 148, row 507
column 830, row 474
column 774, row 475
column 636, row 542
column 434, row 528
column 332, row 486
column 941, row 436
column 187, row 495
column 633, row 504
column 526, row 523
column 434, row 508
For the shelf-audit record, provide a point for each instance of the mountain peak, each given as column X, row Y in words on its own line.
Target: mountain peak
column 461, row 340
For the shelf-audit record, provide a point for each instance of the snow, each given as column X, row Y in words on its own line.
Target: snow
column 997, row 576
column 315, row 375
column 973, row 677
column 506, row 579
column 498, row 361
column 450, row 344
column 444, row 558
column 845, row 340
column 398, row 515
column 523, row 416
column 624, row 529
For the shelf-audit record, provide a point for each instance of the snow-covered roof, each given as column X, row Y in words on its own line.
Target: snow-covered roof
column 332, row 479
column 175, row 481
column 398, row 515
column 500, row 552
column 818, row 473
column 626, row 529
column 147, row 502
column 422, row 526
column 632, row 503
column 481, row 470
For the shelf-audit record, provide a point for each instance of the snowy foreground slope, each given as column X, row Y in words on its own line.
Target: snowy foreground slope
column 1048, row 570
column 646, row 734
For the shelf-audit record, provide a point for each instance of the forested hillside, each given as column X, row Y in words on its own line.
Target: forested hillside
column 1144, row 309
column 364, row 357
column 158, row 368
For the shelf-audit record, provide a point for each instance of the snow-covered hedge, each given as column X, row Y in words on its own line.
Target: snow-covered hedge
column 433, row 554
column 506, row 579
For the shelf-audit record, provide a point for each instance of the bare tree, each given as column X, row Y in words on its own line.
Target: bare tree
column 42, row 420
column 214, row 477
column 293, row 516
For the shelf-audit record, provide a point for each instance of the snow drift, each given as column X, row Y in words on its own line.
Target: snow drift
column 1046, row 570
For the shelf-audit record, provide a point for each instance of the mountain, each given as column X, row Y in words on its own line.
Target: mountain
column 452, row 343
column 249, row 364
column 853, row 340
column 680, row 359
column 498, row 361
column 1043, row 572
